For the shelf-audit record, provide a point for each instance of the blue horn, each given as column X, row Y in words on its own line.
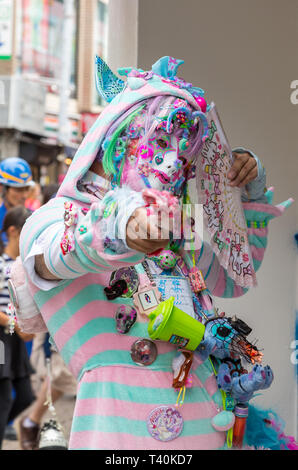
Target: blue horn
column 107, row 83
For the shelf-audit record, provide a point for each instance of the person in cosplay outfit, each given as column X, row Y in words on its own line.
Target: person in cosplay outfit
column 87, row 254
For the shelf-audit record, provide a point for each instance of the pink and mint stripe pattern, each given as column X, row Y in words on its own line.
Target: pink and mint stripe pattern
column 122, row 399
column 86, row 258
column 115, row 396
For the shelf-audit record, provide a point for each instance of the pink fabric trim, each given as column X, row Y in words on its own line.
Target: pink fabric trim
column 267, row 208
column 220, row 286
column 257, row 253
column 259, row 232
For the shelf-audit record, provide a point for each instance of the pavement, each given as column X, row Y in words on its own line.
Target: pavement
column 64, row 412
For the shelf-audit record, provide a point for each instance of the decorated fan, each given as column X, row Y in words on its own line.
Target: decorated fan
column 222, row 207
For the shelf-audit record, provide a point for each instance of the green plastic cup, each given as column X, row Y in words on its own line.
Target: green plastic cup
column 169, row 323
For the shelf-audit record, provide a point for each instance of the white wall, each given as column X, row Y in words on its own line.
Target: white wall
column 243, row 53
column 122, row 33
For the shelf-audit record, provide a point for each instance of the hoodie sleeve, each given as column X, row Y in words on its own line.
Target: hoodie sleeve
column 75, row 241
column 257, row 217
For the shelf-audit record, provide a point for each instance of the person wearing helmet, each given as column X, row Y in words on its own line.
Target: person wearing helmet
column 16, row 179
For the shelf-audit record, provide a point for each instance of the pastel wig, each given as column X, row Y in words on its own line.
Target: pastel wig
column 145, row 104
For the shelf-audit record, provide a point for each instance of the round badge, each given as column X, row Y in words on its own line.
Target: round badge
column 165, row 423
column 125, row 318
column 143, row 352
column 130, row 276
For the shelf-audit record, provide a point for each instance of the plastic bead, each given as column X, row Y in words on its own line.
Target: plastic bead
column 202, row 103
column 167, row 259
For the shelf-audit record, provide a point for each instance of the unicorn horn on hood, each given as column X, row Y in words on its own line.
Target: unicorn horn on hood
column 107, row 83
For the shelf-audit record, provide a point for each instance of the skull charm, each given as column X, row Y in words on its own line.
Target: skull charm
column 125, row 318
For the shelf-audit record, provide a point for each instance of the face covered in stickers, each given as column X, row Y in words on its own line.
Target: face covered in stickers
column 161, row 164
column 160, row 149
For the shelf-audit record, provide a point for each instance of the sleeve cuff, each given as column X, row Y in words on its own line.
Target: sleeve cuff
column 29, row 265
column 127, row 201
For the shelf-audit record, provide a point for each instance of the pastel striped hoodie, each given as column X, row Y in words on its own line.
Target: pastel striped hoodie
column 115, row 395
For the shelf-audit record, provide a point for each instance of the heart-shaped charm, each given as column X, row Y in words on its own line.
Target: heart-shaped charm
column 158, row 160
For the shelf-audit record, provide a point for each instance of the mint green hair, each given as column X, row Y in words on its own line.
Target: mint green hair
column 108, row 160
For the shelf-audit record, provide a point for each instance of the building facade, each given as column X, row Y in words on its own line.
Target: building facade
column 47, row 50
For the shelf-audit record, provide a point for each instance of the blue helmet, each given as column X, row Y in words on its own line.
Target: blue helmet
column 15, row 172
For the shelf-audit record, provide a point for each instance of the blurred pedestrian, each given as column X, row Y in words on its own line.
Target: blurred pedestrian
column 49, row 192
column 16, row 179
column 34, row 197
column 62, row 383
column 16, row 370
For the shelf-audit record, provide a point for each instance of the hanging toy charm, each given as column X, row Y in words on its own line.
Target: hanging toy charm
column 181, row 367
column 70, row 220
column 197, row 280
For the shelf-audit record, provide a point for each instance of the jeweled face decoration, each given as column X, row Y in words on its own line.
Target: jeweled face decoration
column 159, row 163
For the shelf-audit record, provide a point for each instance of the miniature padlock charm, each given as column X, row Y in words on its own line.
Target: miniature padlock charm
column 197, row 280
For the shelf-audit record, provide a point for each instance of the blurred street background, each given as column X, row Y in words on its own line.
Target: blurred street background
column 47, row 95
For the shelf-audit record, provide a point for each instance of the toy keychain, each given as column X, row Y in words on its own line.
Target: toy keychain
column 228, row 405
column 223, row 421
column 147, row 297
column 51, row 433
column 182, row 378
